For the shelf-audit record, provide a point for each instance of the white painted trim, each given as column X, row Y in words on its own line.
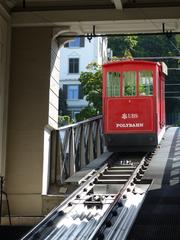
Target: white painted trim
column 46, row 161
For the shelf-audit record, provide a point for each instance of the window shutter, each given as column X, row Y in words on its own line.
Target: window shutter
column 70, row 66
column 81, row 95
column 76, row 65
column 65, row 91
column 82, row 42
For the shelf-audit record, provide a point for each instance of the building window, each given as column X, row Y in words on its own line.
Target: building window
column 73, row 65
column 73, row 92
column 75, row 43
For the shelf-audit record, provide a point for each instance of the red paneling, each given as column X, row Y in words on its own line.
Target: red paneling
column 129, row 115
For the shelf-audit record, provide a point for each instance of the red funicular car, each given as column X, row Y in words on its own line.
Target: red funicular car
column 133, row 105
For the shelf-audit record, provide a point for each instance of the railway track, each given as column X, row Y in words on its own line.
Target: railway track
column 103, row 207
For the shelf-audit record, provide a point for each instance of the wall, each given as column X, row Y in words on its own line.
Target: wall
column 28, row 116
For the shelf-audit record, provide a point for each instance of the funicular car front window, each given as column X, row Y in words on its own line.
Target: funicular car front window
column 129, row 83
column 113, row 84
column 145, row 83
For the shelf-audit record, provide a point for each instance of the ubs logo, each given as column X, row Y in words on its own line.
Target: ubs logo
column 129, row 115
column 124, row 116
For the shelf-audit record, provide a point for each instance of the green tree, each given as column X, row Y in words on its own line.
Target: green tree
column 154, row 45
column 144, row 45
column 123, row 46
column 86, row 113
column 91, row 82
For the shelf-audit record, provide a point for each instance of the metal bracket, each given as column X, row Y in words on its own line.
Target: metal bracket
column 91, row 35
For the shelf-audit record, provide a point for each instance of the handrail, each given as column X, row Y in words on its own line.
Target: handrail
column 73, row 147
column 73, row 125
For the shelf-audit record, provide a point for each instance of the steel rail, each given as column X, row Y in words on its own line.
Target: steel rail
column 69, row 199
column 118, row 197
column 83, row 213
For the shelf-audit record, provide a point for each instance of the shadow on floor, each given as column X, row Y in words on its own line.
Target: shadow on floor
column 13, row 232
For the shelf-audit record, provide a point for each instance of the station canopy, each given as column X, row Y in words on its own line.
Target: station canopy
column 107, row 16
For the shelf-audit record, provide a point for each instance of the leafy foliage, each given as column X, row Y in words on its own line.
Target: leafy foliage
column 91, row 82
column 154, row 45
column 64, row 120
column 86, row 113
column 143, row 46
column 123, row 46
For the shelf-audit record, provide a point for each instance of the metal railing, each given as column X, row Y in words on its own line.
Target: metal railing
column 73, row 147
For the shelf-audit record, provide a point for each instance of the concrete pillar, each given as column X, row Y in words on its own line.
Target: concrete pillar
column 33, row 111
column 4, row 81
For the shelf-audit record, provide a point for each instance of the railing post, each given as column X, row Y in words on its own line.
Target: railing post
column 53, row 159
column 90, row 145
column 98, row 140
column 60, row 176
column 72, row 153
column 82, row 148
column 101, row 136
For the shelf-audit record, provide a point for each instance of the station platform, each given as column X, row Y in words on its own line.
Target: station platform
column 159, row 217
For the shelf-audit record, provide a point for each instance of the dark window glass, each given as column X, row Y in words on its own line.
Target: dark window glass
column 74, row 43
column 66, row 45
column 73, row 65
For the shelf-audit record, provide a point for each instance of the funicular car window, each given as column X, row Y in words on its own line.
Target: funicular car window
column 113, row 84
column 129, row 83
column 145, row 83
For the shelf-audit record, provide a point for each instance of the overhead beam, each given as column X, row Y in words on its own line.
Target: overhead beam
column 58, row 18
column 118, row 4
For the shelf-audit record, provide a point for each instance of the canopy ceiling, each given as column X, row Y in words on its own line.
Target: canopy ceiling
column 108, row 16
